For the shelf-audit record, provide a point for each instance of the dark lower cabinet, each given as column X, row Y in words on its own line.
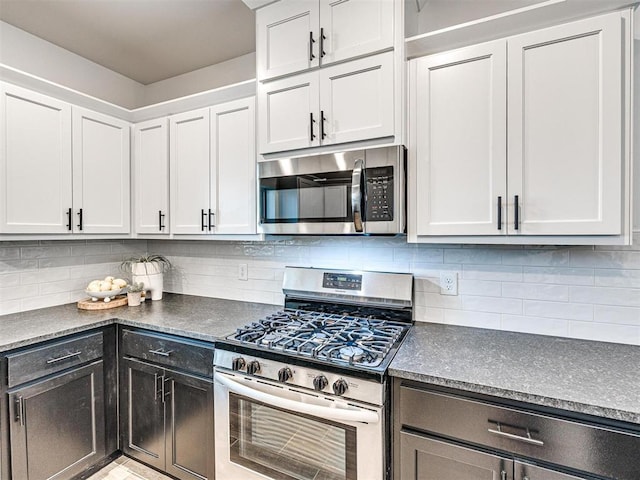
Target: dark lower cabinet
column 424, row 458
column 57, row 425
column 166, row 416
column 442, row 434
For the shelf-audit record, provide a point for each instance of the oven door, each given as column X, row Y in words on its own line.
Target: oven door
column 266, row 430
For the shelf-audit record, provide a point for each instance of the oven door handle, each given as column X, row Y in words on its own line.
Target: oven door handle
column 329, row 413
column 356, row 195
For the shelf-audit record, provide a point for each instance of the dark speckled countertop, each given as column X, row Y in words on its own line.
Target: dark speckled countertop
column 594, row 378
column 195, row 317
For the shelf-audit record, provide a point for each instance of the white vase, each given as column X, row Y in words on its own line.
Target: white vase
column 149, row 273
column 133, row 298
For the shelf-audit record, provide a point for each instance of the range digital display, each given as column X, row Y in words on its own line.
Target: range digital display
column 342, row 281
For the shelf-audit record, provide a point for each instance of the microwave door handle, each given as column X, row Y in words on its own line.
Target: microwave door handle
column 356, row 195
column 328, row 413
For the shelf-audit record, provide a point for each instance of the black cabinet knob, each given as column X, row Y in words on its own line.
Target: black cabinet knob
column 284, row 374
column 238, row 363
column 340, row 387
column 320, row 382
column 253, row 367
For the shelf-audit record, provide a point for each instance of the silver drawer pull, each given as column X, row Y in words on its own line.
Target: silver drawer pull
column 64, row 357
column 527, row 439
column 161, row 352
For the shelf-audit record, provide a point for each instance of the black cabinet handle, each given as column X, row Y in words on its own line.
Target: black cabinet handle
column 311, row 122
column 499, row 213
column 80, row 219
column 516, row 213
column 322, row 120
column 69, row 214
column 203, row 217
column 311, row 42
column 322, row 39
column 211, row 225
column 160, row 218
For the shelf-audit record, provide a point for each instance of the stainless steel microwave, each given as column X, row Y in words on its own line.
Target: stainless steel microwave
column 360, row 192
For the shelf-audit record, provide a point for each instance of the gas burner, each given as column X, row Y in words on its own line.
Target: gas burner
column 351, row 354
column 334, row 338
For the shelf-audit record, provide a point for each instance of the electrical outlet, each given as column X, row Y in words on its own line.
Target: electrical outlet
column 243, row 271
column 449, row 283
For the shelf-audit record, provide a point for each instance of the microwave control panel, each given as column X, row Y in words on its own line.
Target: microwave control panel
column 379, row 194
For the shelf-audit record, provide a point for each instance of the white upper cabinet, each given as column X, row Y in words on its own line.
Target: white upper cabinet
column 35, row 163
column 345, row 102
column 287, row 37
column 151, row 176
column 65, row 169
column 233, row 167
column 460, row 140
column 536, row 150
column 289, row 113
column 213, row 170
column 295, row 35
column 356, row 100
column 352, row 28
column 189, row 171
column 101, row 164
column 565, row 129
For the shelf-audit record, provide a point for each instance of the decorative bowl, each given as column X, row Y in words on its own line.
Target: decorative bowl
column 106, row 296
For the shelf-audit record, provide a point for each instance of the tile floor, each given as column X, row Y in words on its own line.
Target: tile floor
column 125, row 468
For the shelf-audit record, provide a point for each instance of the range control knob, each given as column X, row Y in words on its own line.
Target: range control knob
column 320, row 382
column 284, row 374
column 238, row 363
column 340, row 386
column 253, row 367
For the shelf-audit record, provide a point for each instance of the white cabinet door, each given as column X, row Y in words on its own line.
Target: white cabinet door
column 233, row 167
column 356, row 100
column 190, row 174
column 101, row 163
column 151, row 176
column 460, row 140
column 35, row 162
column 287, row 38
column 351, row 28
column 565, row 128
column 288, row 113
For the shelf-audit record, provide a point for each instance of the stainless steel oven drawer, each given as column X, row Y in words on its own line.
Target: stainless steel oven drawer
column 585, row 447
column 41, row 361
column 172, row 352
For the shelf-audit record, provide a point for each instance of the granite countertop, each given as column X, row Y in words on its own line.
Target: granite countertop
column 195, row 317
column 595, row 378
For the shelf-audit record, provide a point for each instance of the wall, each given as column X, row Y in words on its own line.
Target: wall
column 580, row 292
column 39, row 274
column 28, row 53
column 232, row 71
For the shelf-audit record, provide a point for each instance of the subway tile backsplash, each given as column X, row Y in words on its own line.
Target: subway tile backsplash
column 580, row 292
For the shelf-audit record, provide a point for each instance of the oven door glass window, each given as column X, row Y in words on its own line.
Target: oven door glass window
column 317, row 198
column 284, row 446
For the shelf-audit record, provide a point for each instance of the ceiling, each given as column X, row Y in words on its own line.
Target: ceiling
column 145, row 40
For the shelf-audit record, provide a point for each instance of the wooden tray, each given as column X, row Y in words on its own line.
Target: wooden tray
column 88, row 304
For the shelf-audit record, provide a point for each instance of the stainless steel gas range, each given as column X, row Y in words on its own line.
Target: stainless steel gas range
column 301, row 394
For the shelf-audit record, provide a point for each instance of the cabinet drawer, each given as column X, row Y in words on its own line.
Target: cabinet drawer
column 576, row 445
column 41, row 361
column 180, row 354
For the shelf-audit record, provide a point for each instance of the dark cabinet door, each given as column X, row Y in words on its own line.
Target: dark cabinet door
column 525, row 471
column 57, row 425
column 142, row 412
column 423, row 458
column 189, row 426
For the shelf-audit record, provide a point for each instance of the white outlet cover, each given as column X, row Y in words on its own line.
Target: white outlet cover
column 449, row 283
